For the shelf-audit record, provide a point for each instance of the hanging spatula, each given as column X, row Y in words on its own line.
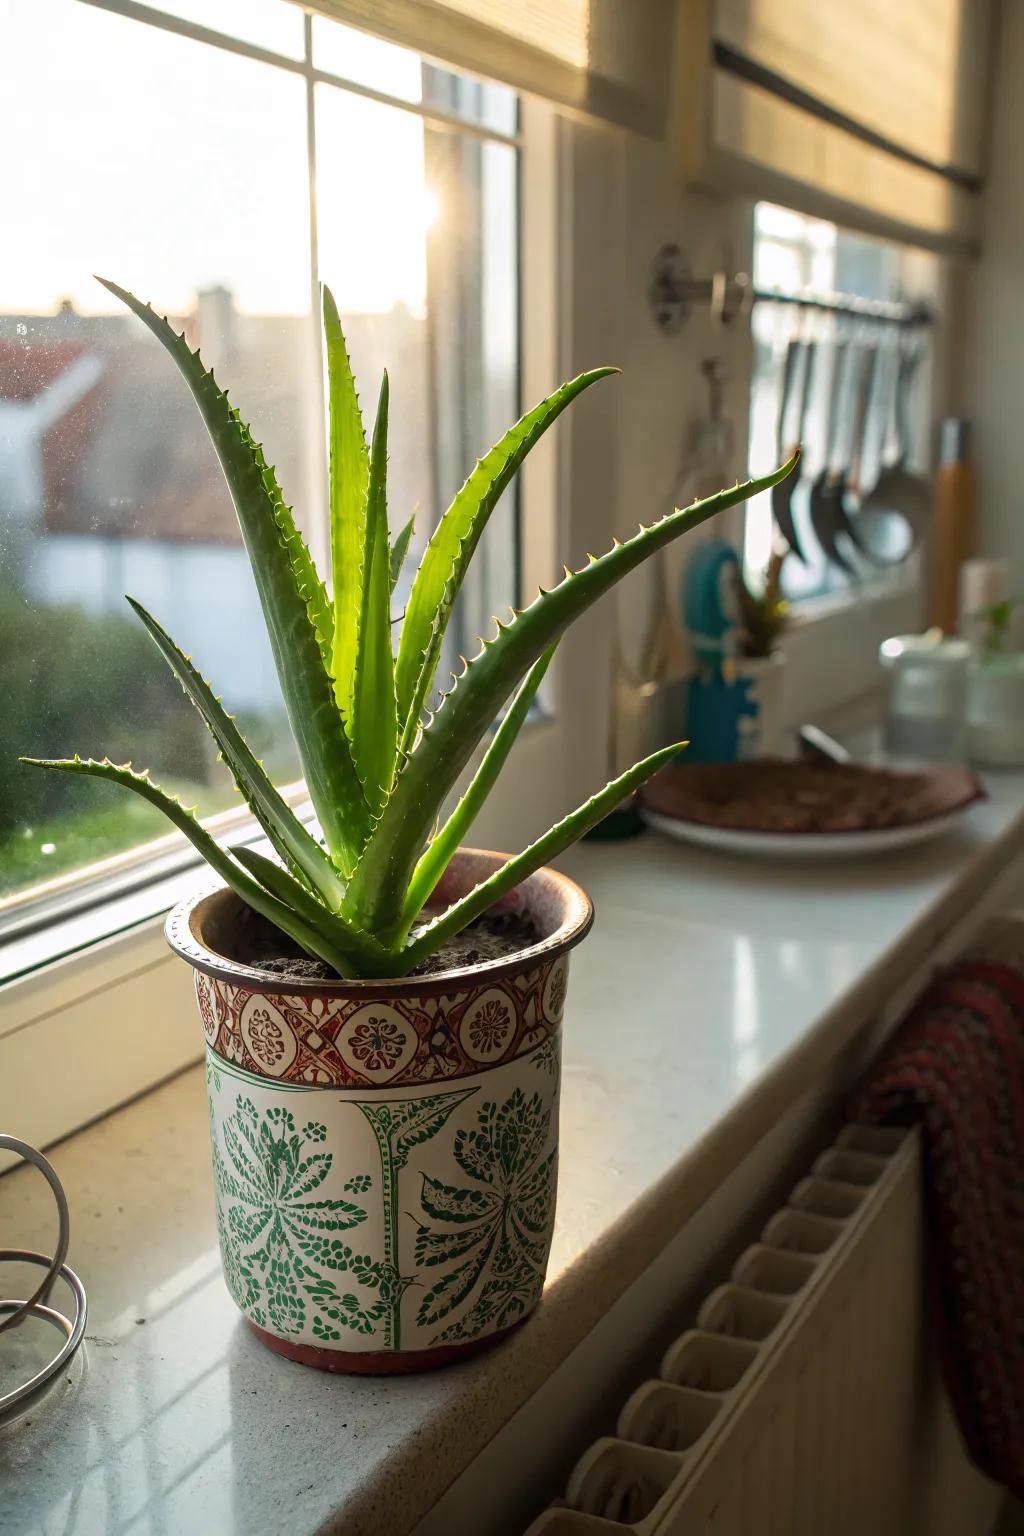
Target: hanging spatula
column 782, row 494
column 824, row 499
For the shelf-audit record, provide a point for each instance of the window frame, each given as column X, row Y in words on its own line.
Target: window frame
column 49, row 901
column 76, row 966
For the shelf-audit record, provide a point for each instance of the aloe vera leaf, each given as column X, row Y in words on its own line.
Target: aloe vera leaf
column 333, row 930
column 219, row 859
column 445, row 844
column 451, row 547
column 307, row 577
column 283, row 828
column 451, row 734
column 373, row 724
column 553, row 842
column 400, row 548
column 308, row 690
column 349, row 475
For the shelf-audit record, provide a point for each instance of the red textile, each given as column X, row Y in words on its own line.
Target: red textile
column 955, row 1067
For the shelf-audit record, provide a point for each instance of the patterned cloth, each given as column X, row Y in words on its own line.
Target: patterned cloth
column 955, row 1066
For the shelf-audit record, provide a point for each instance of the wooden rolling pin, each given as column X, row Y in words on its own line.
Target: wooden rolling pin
column 953, row 533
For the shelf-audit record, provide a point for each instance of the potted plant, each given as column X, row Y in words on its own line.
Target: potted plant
column 763, row 615
column 382, row 1006
column 995, row 687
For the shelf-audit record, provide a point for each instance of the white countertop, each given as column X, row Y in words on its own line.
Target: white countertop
column 710, row 993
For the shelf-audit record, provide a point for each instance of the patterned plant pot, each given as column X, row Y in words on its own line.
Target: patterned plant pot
column 385, row 1153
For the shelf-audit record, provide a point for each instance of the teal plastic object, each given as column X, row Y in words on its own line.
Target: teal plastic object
column 709, row 601
column 716, row 701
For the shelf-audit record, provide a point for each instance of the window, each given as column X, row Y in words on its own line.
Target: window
column 218, row 159
column 798, row 255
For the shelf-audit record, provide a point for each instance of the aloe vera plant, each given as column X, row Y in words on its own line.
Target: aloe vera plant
column 379, row 757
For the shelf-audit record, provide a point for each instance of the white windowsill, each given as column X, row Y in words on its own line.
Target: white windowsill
column 710, row 996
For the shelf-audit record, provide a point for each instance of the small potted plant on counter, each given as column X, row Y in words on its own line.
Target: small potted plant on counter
column 381, row 1005
column 763, row 615
column 995, row 687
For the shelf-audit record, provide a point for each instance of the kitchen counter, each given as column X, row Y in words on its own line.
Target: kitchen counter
column 711, row 993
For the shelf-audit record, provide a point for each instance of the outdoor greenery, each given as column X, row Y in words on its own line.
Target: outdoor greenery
column 379, row 759
column 64, row 679
column 64, row 672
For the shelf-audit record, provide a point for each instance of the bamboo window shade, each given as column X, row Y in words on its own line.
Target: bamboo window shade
column 609, row 59
column 868, row 111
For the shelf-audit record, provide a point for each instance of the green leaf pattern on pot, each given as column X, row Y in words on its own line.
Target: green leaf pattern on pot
column 454, row 1211
column 398, row 1128
column 545, row 1057
column 496, row 1228
column 276, row 1239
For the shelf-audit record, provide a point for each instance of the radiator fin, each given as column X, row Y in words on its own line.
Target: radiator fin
column 790, row 1408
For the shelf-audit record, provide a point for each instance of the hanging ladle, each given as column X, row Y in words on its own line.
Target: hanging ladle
column 897, row 493
column 782, row 494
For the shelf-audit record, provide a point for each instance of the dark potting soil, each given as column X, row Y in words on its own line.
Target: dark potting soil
column 494, row 936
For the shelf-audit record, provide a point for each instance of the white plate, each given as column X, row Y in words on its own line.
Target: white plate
column 803, row 845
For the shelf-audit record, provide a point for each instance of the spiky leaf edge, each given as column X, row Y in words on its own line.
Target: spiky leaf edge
column 269, row 532
column 371, row 957
column 549, row 846
column 451, row 734
column 349, row 478
column 443, row 847
column 219, row 859
column 451, row 546
column 283, row 828
column 373, row 728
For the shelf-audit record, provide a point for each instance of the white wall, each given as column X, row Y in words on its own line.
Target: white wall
column 992, row 380
column 629, row 437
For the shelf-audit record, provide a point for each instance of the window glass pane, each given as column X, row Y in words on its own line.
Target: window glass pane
column 275, row 24
column 417, row 240
column 383, row 66
column 479, row 101
column 107, row 481
column 366, row 60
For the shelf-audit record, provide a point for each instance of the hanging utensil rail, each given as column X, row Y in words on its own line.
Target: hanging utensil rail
column 732, row 296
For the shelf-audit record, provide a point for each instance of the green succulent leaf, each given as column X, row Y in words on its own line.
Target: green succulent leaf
column 400, row 548
column 363, row 952
column 307, row 577
column 350, row 477
column 373, row 721
column 283, row 828
column 446, row 843
column 220, row 860
column 447, row 556
column 378, row 764
column 554, row 841
column 449, row 738
column 271, row 540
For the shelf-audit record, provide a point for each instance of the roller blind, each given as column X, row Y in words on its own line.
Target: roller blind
column 871, row 111
column 606, row 58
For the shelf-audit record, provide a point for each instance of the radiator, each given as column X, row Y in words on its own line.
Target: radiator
column 804, row 1401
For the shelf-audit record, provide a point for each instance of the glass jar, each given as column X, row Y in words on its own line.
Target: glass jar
column 926, row 697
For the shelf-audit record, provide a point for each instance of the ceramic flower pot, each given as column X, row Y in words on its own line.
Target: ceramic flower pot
column 385, row 1153
column 760, row 732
